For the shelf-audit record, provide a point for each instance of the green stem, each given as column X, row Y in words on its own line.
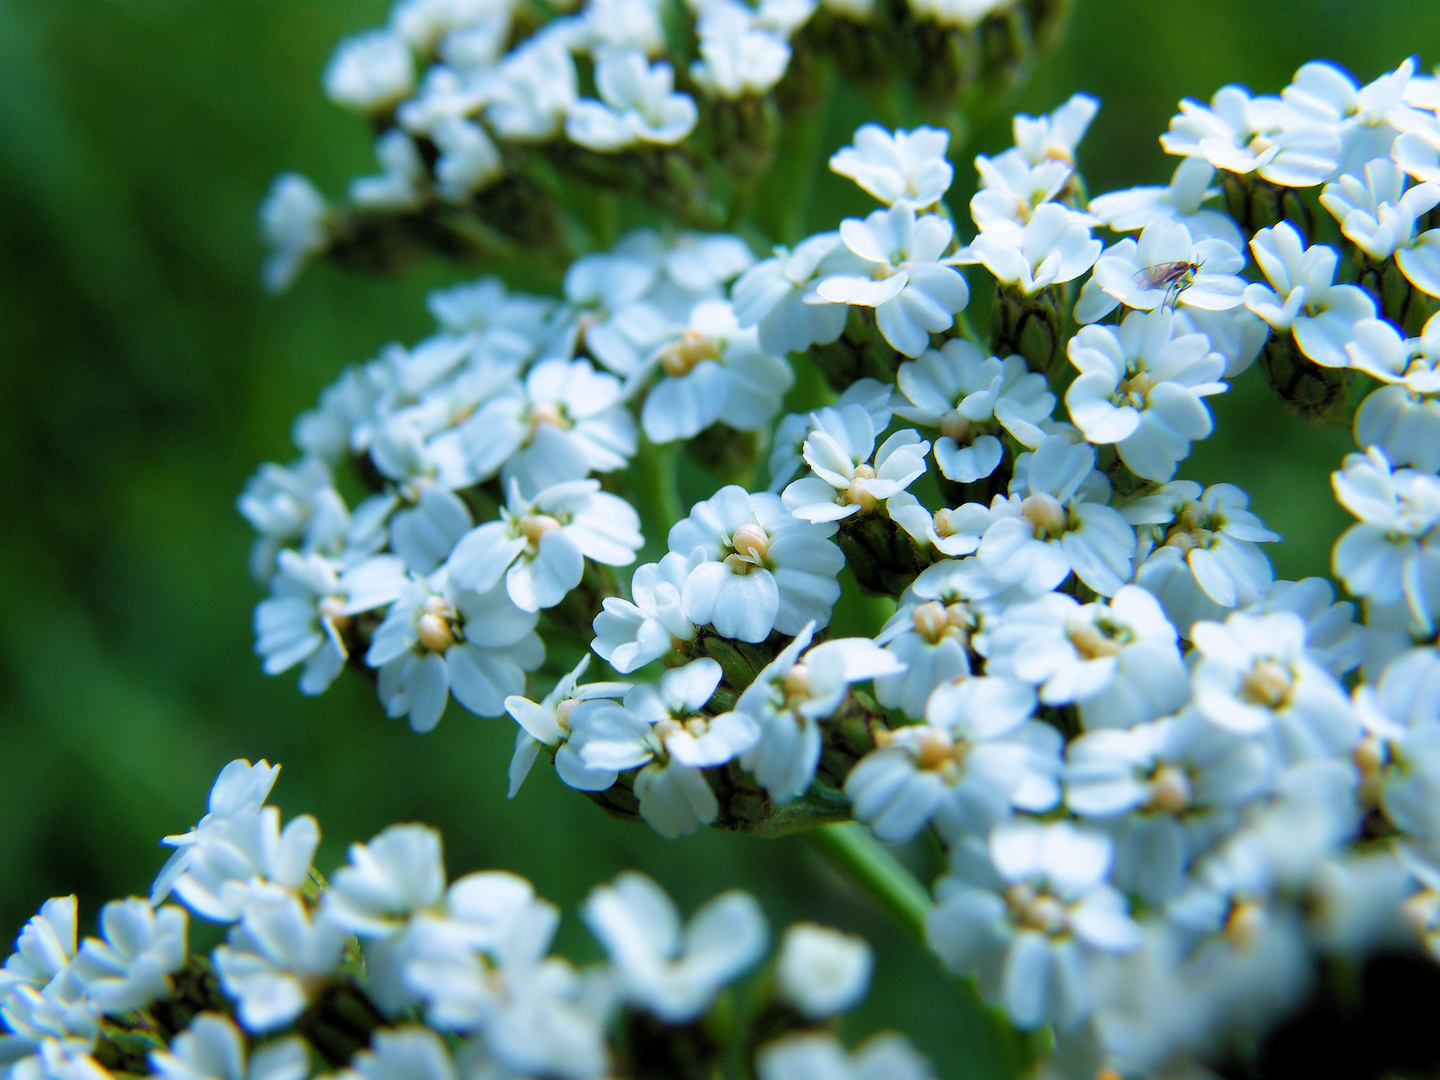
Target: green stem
column 851, row 849
column 658, row 493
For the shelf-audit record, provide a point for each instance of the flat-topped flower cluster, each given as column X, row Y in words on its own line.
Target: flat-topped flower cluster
column 391, row 973
column 1166, row 782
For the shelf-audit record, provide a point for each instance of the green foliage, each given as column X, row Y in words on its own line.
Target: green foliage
column 144, row 373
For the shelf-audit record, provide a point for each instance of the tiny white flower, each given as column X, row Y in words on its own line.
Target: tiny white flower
column 899, row 166
column 1383, row 555
column 631, row 633
column 931, row 639
column 1054, row 246
column 1165, row 267
column 402, row 1053
column 638, row 105
column 371, row 72
column 1367, row 119
column 1029, row 913
column 401, row 871
column 967, row 395
column 1241, row 134
column 533, row 90
column 1141, row 386
column 822, row 972
column 914, row 293
column 1402, row 418
column 1012, row 187
column 294, row 222
column 1055, row 136
column 843, row 481
column 623, row 24
column 760, row 568
column 142, row 948
column 1254, row 677
column 288, row 505
column 737, row 58
column 547, row 723
column 779, row 295
column 674, row 971
column 1183, row 199
column 788, row 441
column 213, row 1049
column 1302, row 296
column 469, row 159
column 401, row 183
column 45, row 945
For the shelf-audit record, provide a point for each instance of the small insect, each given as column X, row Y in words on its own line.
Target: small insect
column 1173, row 277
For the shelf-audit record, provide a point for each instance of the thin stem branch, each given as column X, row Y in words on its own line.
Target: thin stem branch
column 851, row 849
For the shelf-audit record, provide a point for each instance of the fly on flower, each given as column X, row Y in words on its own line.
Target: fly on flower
column 1173, row 277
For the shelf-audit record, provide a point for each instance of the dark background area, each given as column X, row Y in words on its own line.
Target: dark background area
column 144, row 375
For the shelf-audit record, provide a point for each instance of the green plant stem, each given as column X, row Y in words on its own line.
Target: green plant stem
column 851, row 849
column 657, row 494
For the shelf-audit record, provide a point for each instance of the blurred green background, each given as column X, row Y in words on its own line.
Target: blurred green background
column 145, row 375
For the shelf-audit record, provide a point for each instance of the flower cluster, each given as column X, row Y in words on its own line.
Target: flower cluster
column 1166, row 782
column 458, row 977
column 484, row 110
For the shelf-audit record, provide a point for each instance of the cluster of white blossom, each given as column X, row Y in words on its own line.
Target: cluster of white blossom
column 1166, row 782
column 458, row 980
column 465, row 92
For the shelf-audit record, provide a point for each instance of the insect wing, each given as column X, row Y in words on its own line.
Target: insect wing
column 1164, row 275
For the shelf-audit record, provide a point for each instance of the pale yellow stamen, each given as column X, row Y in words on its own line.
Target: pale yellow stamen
column 1169, row 790
column 547, row 412
column 436, row 627
column 534, row 526
column 856, row 494
column 1043, row 511
column 958, row 428
column 683, row 356
column 1268, row 684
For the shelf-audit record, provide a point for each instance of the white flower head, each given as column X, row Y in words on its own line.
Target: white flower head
column 212, row 1048
column 674, row 971
column 631, row 633
column 371, row 72
column 759, row 569
column 1302, row 296
column 1241, row 134
column 886, row 1056
column 294, row 223
column 843, row 480
column 547, row 723
column 143, row 946
column 1055, row 136
column 638, row 104
column 738, row 59
column 1052, row 247
column 1165, row 267
column 898, row 167
column 822, row 972
column 968, row 396
column 914, row 293
column 779, row 295
column 1141, row 386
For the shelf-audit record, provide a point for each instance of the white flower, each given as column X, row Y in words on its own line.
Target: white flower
column 778, row 295
column 276, row 954
column 842, row 480
column 551, row 1022
column 762, row 569
column 1403, row 418
column 539, row 545
column 623, row 24
column 977, row 756
column 547, row 723
column 1380, row 216
column 1012, row 188
column 403, row 1053
column 290, row 504
column 792, row 695
column 899, row 166
column 371, row 72
column 426, row 23
column 913, row 293
column 311, row 606
column 659, row 729
column 469, row 159
column 1255, row 677
column 565, row 423
column 212, row 1049
column 1165, row 267
column 1367, row 119
column 788, row 441
column 1141, row 386
column 737, row 58
column 401, row 871
column 294, row 222
column 963, row 14
column 143, row 947
column 1198, row 549
column 1241, row 134
column 965, row 394
column 639, row 106
column 822, row 972
column 1183, row 199
column 932, row 640
column 1238, row 334
column 1118, row 659
column 439, row 639
column 1051, row 524
column 674, row 971
column 1028, row 913
column 1302, row 296
column 1166, row 791
column 44, row 947
column 403, row 177
column 1400, row 757
column 533, row 90
column 821, row 1057
column 1383, row 556
column 1332, row 636
column 714, row 372
column 237, row 847
column 1052, row 247
column 631, row 633
column 1055, row 136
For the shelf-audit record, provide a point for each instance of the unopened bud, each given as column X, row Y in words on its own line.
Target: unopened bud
column 751, row 543
column 797, row 681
